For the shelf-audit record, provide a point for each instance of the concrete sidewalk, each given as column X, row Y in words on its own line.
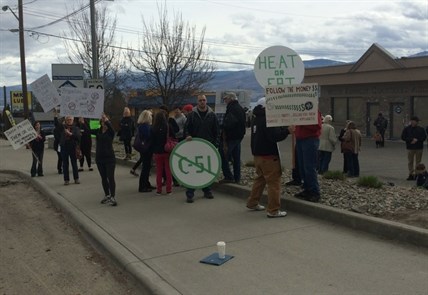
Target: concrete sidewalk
column 160, row 240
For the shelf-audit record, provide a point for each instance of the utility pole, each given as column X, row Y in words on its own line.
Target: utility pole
column 94, row 41
column 22, row 53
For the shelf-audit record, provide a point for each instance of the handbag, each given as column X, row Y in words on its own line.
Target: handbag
column 170, row 142
column 79, row 154
column 140, row 145
column 347, row 146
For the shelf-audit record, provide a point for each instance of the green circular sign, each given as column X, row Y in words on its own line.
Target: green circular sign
column 195, row 163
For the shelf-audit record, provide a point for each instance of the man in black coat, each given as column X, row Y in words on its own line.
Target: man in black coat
column 414, row 136
column 201, row 123
column 232, row 134
column 267, row 162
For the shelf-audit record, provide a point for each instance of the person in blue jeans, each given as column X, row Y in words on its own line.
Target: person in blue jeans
column 233, row 132
column 307, row 144
column 201, row 123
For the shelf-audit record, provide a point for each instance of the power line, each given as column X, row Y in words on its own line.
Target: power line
column 136, row 50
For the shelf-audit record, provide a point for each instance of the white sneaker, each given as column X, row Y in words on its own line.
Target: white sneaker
column 258, row 207
column 113, row 201
column 105, row 200
column 277, row 214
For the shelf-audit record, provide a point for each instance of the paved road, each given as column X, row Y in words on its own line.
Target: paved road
column 389, row 163
column 162, row 239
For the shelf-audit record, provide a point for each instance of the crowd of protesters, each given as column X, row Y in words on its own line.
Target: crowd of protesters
column 313, row 150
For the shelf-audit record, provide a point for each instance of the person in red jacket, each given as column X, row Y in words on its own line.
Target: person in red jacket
column 307, row 143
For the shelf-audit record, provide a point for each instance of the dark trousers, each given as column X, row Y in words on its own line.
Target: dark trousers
column 353, row 164
column 86, row 154
column 67, row 154
column 127, row 145
column 59, row 162
column 37, row 165
column 144, row 182
column 106, row 170
column 233, row 153
column 324, row 161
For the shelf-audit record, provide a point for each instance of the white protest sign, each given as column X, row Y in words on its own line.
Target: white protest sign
column 292, row 105
column 279, row 65
column 195, row 164
column 82, row 102
column 46, row 93
column 20, row 134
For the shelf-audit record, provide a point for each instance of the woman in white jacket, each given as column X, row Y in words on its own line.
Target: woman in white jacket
column 327, row 144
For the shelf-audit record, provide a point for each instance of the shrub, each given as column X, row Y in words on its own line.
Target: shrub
column 336, row 175
column 369, row 181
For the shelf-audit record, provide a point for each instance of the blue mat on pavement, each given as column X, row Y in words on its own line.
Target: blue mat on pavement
column 214, row 260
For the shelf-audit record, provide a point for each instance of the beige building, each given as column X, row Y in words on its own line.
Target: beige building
column 377, row 82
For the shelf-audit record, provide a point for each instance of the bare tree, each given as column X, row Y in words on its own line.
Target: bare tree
column 79, row 50
column 172, row 58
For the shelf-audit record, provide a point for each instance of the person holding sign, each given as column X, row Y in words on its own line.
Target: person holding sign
column 264, row 148
column 202, row 123
column 106, row 160
column 37, row 146
column 307, row 144
column 69, row 140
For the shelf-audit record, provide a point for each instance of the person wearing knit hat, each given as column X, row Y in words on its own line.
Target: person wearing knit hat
column 327, row 144
column 232, row 133
column 187, row 109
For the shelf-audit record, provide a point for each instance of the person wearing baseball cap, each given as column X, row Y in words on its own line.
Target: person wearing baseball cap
column 414, row 136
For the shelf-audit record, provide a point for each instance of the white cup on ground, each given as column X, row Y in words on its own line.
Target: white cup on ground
column 221, row 249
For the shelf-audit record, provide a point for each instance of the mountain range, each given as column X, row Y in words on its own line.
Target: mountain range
column 224, row 80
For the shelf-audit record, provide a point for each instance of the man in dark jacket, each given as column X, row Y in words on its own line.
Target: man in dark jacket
column 201, row 123
column 381, row 123
column 267, row 162
column 232, row 134
column 414, row 136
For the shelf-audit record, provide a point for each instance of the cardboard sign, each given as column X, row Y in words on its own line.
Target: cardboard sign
column 292, row 105
column 279, row 65
column 46, row 93
column 20, row 134
column 82, row 102
column 196, row 163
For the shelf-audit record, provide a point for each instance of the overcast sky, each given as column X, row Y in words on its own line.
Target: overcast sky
column 236, row 31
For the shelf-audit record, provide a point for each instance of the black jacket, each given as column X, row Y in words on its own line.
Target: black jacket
column 234, row 121
column 127, row 128
column 38, row 144
column 411, row 132
column 263, row 139
column 159, row 136
column 104, row 147
column 69, row 142
column 205, row 128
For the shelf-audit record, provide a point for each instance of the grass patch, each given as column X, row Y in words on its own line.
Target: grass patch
column 369, row 181
column 335, row 175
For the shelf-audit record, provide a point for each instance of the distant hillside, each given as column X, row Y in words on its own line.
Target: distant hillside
column 235, row 79
column 423, row 53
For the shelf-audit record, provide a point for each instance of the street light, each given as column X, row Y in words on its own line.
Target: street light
column 20, row 19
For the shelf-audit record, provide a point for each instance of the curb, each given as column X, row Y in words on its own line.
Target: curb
column 144, row 276
column 379, row 227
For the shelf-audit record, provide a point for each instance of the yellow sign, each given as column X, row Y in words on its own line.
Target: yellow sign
column 17, row 100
